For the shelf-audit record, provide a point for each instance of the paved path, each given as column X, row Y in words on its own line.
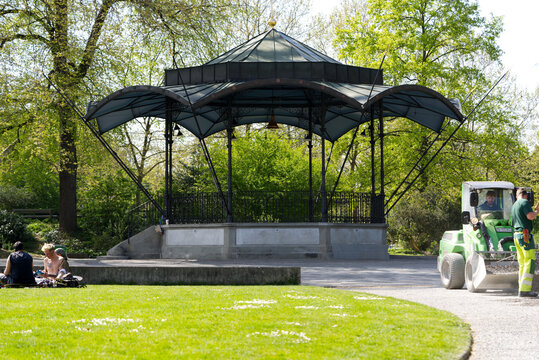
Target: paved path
column 503, row 325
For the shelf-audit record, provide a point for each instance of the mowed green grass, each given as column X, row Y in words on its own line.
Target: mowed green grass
column 221, row 322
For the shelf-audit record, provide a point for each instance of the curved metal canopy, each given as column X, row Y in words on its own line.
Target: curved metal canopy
column 273, row 75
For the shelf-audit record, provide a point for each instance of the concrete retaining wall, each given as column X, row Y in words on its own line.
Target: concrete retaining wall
column 191, row 275
column 239, row 240
column 196, row 275
column 306, row 240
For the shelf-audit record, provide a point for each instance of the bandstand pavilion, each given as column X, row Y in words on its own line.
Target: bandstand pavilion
column 272, row 79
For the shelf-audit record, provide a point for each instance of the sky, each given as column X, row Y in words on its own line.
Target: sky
column 519, row 41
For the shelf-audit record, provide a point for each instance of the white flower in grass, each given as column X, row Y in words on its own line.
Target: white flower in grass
column 104, row 321
column 336, row 306
column 297, row 337
column 293, row 323
column 256, row 301
column 250, row 304
column 247, row 306
column 301, row 297
column 368, row 298
column 344, row 315
column 22, row 332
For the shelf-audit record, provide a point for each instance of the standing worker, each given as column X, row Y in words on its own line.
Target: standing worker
column 522, row 215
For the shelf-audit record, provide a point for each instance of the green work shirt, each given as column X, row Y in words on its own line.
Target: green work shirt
column 520, row 209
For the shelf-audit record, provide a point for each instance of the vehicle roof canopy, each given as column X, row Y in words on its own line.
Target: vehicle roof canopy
column 476, row 185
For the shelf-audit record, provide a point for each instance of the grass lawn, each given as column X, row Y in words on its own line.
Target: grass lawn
column 221, row 322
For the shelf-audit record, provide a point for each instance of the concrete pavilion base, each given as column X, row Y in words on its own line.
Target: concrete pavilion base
column 268, row 240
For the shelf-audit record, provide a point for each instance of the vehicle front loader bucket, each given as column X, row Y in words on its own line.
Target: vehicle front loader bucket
column 491, row 270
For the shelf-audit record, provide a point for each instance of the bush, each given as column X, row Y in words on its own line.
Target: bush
column 13, row 229
column 40, row 228
column 104, row 217
column 418, row 222
column 12, row 197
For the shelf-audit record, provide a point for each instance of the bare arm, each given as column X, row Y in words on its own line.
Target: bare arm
column 532, row 214
column 7, row 271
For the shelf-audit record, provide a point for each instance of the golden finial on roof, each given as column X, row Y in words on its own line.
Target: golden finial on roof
column 272, row 21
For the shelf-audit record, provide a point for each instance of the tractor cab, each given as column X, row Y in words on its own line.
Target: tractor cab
column 484, row 200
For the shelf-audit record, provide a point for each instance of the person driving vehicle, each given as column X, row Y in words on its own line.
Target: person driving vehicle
column 490, row 204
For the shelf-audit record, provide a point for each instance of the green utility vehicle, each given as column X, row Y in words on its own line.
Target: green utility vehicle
column 482, row 254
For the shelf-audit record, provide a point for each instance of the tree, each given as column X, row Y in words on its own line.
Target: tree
column 71, row 37
column 445, row 45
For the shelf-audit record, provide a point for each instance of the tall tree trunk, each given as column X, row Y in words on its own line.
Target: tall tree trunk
column 67, row 126
column 68, row 171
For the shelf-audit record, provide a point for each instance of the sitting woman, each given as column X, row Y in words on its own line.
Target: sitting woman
column 64, row 266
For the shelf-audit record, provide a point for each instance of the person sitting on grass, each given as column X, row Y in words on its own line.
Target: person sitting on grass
column 52, row 262
column 64, row 266
column 18, row 267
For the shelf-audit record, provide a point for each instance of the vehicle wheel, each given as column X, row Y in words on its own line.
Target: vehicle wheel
column 452, row 271
column 468, row 274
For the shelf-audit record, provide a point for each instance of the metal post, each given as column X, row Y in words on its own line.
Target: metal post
column 373, row 166
column 310, row 146
column 382, row 191
column 230, row 218
column 381, row 197
column 168, row 160
column 374, row 208
column 323, row 187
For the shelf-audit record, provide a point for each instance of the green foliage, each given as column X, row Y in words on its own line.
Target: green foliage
column 12, row 197
column 103, row 215
column 12, row 229
column 264, row 161
column 429, row 41
column 224, row 322
column 41, row 228
column 448, row 46
column 80, row 242
column 418, row 222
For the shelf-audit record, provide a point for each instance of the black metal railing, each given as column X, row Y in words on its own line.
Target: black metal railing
column 270, row 207
column 261, row 207
column 142, row 216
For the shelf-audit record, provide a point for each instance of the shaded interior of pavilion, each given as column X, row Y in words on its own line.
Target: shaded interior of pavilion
column 275, row 79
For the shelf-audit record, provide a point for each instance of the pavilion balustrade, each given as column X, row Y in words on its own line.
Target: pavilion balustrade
column 263, row 207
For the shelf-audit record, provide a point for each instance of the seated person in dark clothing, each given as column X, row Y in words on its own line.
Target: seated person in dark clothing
column 18, row 267
column 490, row 204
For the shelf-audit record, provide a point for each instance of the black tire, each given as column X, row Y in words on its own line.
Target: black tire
column 468, row 275
column 452, row 271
